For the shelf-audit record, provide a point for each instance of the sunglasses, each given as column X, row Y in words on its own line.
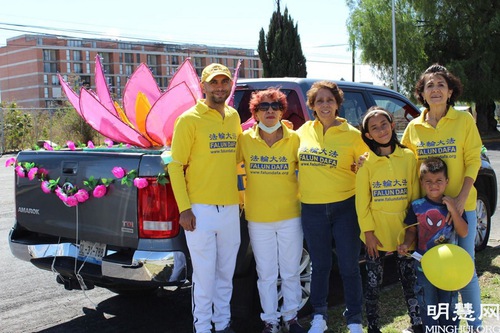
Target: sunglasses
column 265, row 106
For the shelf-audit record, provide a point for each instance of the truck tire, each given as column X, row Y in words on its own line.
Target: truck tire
column 483, row 213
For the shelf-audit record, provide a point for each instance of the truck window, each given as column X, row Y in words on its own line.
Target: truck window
column 293, row 114
column 403, row 113
column 353, row 108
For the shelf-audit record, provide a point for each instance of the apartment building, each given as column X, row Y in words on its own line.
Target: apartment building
column 29, row 64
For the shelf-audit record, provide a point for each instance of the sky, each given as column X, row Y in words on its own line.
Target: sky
column 232, row 23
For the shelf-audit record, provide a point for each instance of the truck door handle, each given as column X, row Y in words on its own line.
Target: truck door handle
column 69, row 168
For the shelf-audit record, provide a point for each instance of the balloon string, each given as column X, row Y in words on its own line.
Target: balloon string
column 401, row 232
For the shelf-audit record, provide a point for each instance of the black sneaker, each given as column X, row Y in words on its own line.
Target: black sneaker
column 414, row 329
column 228, row 329
column 373, row 329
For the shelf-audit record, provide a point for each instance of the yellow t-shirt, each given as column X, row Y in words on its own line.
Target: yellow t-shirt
column 271, row 192
column 325, row 161
column 385, row 187
column 456, row 140
column 203, row 167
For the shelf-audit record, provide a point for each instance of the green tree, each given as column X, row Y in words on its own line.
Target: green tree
column 18, row 127
column 370, row 28
column 461, row 35
column 465, row 37
column 281, row 52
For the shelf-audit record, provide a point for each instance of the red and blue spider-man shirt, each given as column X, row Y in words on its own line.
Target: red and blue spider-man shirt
column 432, row 226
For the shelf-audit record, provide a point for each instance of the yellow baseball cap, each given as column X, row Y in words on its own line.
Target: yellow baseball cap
column 213, row 70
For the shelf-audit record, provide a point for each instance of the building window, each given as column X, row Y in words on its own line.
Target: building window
column 55, row 80
column 85, row 81
column 87, row 56
column 129, row 69
column 45, row 79
column 78, row 68
column 74, row 43
column 106, row 63
column 152, row 61
column 68, row 58
column 198, row 62
column 46, row 92
column 129, row 58
column 77, row 56
column 50, row 61
column 87, row 68
column 175, row 60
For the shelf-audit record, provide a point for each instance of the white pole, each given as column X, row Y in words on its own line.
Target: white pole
column 394, row 62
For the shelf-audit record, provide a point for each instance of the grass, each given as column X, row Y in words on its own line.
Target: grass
column 393, row 310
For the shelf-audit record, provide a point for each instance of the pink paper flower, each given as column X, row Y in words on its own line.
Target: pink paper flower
column 90, row 144
column 47, row 146
column 45, row 186
column 118, row 172
column 71, row 145
column 82, row 195
column 108, row 143
column 99, row 191
column 140, row 182
column 20, row 171
column 10, row 161
column 71, row 201
column 32, row 173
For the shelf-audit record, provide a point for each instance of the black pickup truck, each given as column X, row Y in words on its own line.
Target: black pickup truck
column 128, row 239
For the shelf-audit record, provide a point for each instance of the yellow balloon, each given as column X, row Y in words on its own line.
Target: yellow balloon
column 447, row 267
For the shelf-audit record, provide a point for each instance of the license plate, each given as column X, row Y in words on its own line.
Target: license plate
column 91, row 252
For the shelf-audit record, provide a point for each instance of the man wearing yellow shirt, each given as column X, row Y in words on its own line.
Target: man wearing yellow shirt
column 204, row 181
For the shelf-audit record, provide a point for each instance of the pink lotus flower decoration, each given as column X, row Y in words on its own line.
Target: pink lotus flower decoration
column 148, row 115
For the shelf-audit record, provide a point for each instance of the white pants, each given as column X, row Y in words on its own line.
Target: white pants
column 213, row 247
column 277, row 247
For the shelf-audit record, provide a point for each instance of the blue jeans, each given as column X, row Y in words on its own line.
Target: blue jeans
column 323, row 223
column 471, row 293
column 436, row 305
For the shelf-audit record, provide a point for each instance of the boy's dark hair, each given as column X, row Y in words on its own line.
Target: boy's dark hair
column 433, row 165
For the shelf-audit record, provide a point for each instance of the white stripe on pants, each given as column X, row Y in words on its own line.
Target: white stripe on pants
column 277, row 247
column 213, row 247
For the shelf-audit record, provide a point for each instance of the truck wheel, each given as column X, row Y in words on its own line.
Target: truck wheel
column 305, row 283
column 483, row 222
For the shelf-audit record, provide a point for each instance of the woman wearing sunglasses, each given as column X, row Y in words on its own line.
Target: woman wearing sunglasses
column 269, row 153
column 328, row 148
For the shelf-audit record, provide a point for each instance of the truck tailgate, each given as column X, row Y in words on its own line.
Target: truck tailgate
column 111, row 219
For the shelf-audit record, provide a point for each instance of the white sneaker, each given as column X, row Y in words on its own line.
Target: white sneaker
column 355, row 328
column 318, row 324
